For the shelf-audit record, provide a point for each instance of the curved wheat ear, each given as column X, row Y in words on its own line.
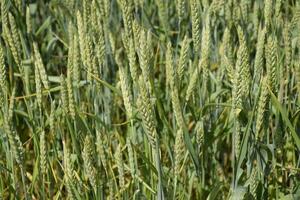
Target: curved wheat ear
column 268, row 9
column 88, row 159
column 43, row 153
column 68, row 169
column 179, row 150
column 40, row 66
column 206, row 47
column 147, row 113
column 101, row 150
column 125, row 87
column 3, row 73
column 183, row 58
column 271, row 60
column 195, row 15
column 119, row 162
column 262, row 103
column 64, row 94
column 38, row 86
column 259, row 56
column 193, row 81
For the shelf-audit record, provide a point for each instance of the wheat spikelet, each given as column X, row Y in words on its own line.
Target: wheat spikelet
column 43, row 153
column 14, row 142
column 101, row 150
column 16, row 43
column 68, row 169
column 144, row 56
column 227, row 56
column 278, row 5
column 259, row 56
column 262, row 103
column 268, row 12
column 76, row 59
column 127, row 9
column 87, row 155
column 271, row 60
column 162, row 13
column 70, row 90
column 125, row 88
column 89, row 58
column 245, row 9
column 11, row 105
column 200, row 133
column 119, row 162
column 169, row 65
column 147, row 113
column 177, row 107
column 195, row 15
column 130, row 51
column 81, row 37
column 40, row 66
column 206, row 47
column 193, row 81
column 256, row 20
column 3, row 73
column 8, row 36
column 287, row 38
column 100, row 48
column 64, row 94
column 136, row 33
column 183, row 58
column 253, row 182
column 179, row 149
column 243, row 56
column 38, row 86
column 131, row 157
column 180, row 8
column 28, row 20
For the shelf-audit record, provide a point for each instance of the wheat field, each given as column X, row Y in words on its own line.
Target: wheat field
column 150, row 99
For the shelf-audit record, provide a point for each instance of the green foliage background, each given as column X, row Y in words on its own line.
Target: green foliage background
column 150, row 99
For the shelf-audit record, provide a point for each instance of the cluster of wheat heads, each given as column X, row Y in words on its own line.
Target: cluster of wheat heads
column 140, row 99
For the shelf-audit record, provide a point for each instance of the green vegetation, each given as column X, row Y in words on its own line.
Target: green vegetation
column 140, row 99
